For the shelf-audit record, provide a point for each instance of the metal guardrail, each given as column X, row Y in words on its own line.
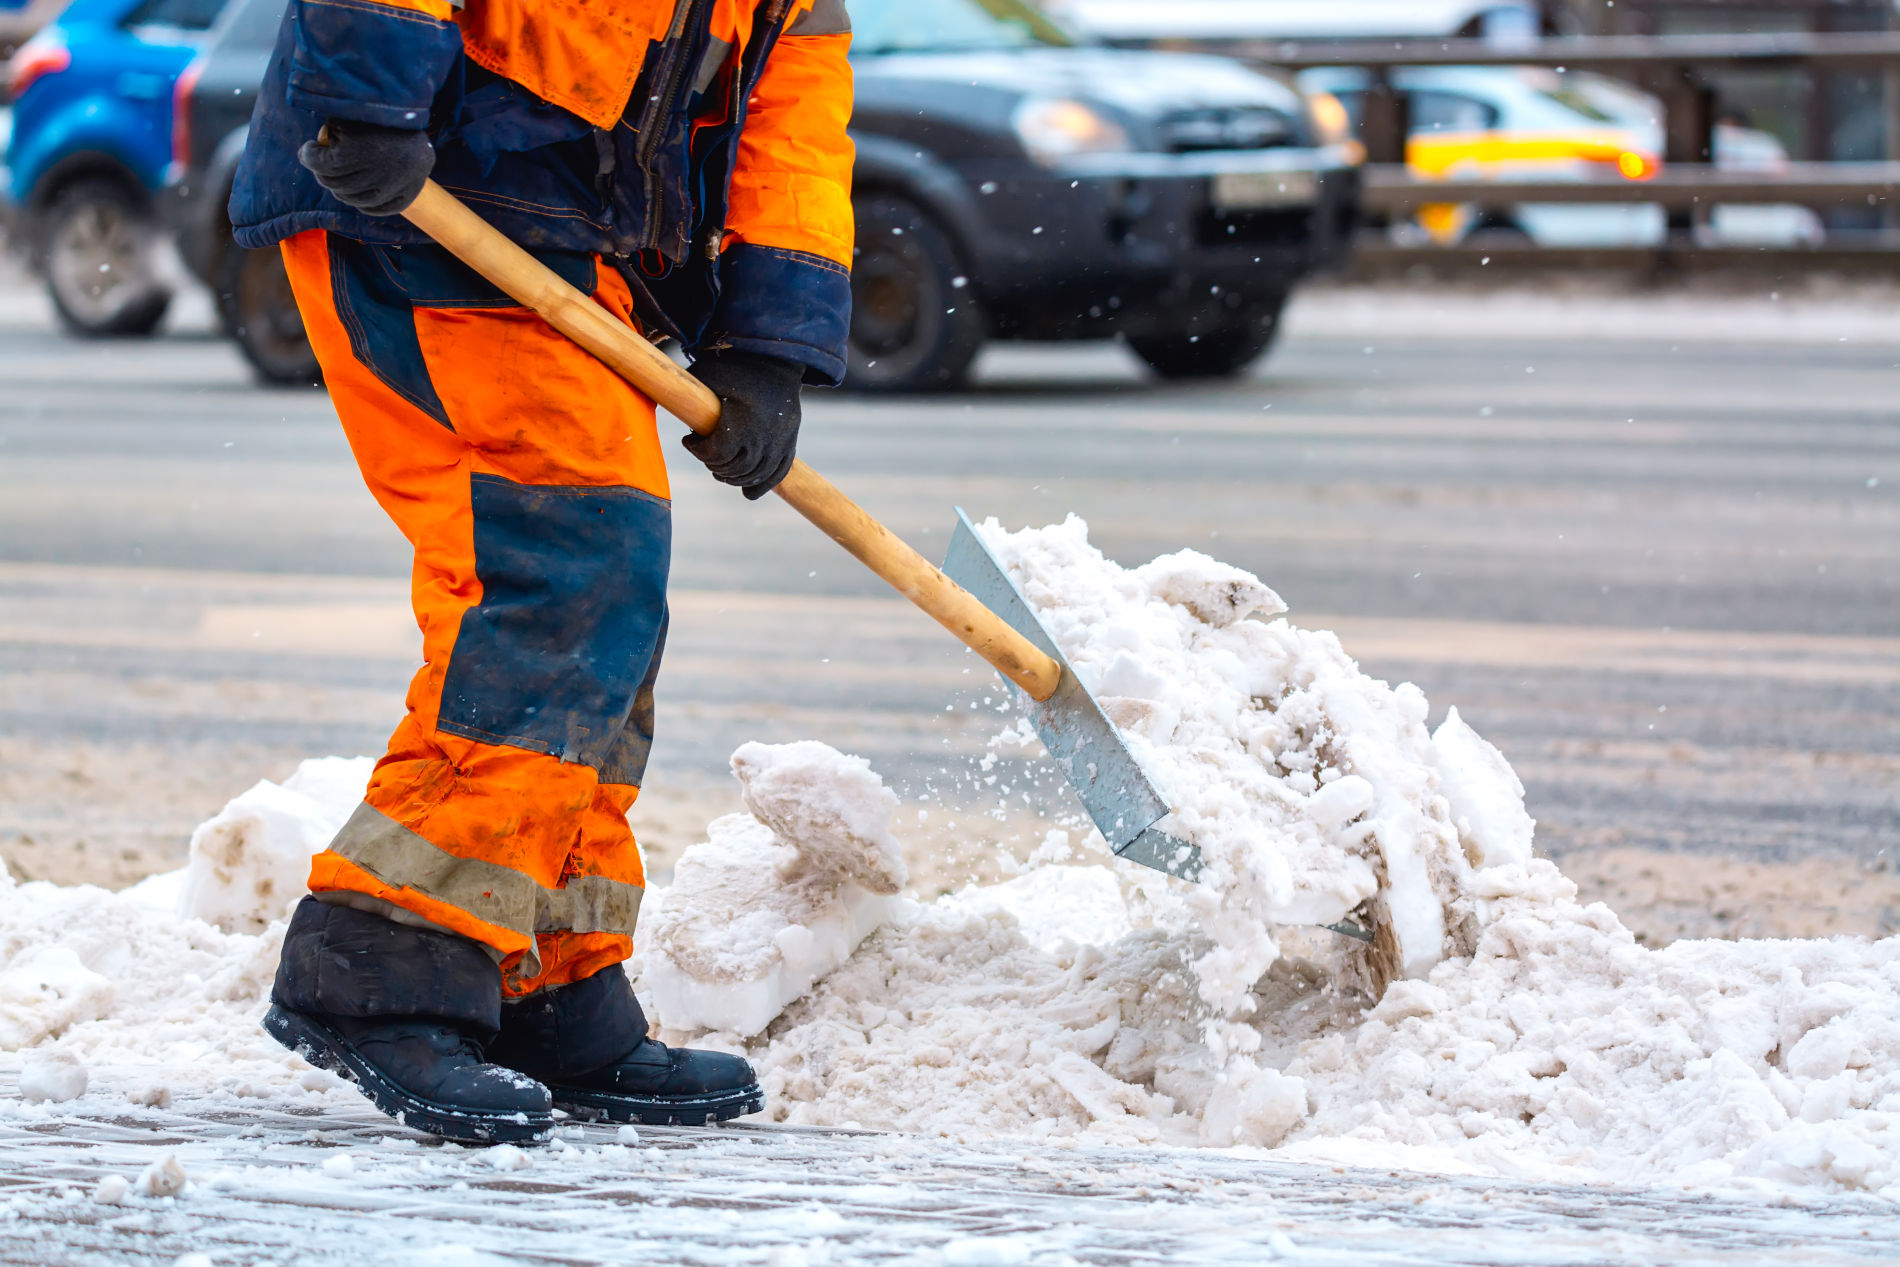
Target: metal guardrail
column 1669, row 66
column 1674, row 68
column 1495, row 262
column 1612, row 54
column 1392, row 190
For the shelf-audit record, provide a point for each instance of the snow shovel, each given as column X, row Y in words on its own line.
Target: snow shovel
column 990, row 616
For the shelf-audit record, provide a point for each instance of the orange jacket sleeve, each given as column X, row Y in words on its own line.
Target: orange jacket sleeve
column 791, row 185
column 785, row 273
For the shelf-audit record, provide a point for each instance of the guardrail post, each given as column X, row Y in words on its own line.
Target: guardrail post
column 1688, row 135
column 1385, row 122
column 1890, row 102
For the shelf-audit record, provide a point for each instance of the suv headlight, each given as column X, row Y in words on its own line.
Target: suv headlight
column 1053, row 129
column 1331, row 124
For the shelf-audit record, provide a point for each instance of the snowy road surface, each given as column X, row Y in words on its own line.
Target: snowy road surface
column 1661, row 575
column 268, row 1184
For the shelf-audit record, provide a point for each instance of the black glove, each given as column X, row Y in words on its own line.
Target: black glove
column 757, row 436
column 375, row 169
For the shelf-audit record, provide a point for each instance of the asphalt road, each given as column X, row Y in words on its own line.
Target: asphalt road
column 1657, row 563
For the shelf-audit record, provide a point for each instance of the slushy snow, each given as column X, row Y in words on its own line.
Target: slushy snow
column 1499, row 1026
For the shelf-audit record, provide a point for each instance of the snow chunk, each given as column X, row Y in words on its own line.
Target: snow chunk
column 1217, row 593
column 1487, row 799
column 45, row 992
column 163, row 1178
column 773, row 900
column 52, row 1077
column 1253, row 1106
column 248, row 865
column 833, row 809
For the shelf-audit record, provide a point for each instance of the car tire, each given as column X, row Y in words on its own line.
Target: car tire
column 1499, row 233
column 1221, row 353
column 915, row 322
column 259, row 311
column 98, row 247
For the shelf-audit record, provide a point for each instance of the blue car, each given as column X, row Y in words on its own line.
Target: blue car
column 91, row 138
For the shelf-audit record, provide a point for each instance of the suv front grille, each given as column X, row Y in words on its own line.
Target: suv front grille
column 1281, row 226
column 1227, row 128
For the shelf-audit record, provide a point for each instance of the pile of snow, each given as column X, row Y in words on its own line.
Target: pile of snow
column 775, row 898
column 159, row 989
column 115, row 994
column 1314, row 792
column 1562, row 1043
column 1523, row 1033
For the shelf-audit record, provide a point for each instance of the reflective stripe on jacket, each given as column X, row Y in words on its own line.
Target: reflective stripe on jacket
column 700, row 143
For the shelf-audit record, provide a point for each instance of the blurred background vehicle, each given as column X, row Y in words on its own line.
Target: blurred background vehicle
column 89, row 141
column 211, row 120
column 1010, row 184
column 1017, row 181
column 1014, row 183
column 19, row 19
column 1509, row 122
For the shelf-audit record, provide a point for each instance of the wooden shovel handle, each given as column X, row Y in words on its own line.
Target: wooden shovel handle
column 485, row 249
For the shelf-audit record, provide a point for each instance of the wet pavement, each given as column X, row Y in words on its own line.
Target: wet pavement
column 270, row 1182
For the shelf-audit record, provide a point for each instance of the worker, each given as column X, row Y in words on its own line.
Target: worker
column 685, row 163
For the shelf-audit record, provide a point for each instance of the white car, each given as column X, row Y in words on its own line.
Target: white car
column 1503, row 123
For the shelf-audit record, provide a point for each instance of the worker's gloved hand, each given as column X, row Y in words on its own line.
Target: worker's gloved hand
column 757, row 436
column 375, row 169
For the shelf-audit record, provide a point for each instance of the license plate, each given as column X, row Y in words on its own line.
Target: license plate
column 1249, row 191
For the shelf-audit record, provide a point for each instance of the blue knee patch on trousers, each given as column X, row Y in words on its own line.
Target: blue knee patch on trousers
column 560, row 654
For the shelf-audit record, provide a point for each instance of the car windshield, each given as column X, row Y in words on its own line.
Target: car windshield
column 905, row 26
column 1571, row 99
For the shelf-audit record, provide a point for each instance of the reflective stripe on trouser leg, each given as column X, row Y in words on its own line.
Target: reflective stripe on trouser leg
column 529, row 480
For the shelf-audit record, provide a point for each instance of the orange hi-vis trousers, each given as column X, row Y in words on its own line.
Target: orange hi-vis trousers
column 529, row 479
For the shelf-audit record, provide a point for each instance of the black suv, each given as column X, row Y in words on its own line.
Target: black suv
column 211, row 115
column 1011, row 183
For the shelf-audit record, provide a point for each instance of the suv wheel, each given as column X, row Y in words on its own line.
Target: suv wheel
column 1219, row 353
column 99, row 244
column 915, row 322
column 258, row 310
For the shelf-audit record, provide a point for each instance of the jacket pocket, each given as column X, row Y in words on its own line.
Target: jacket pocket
column 582, row 57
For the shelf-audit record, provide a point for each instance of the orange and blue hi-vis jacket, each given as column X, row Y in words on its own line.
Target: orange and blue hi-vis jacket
column 700, row 143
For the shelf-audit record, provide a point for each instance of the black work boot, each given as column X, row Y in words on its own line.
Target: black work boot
column 403, row 1013
column 588, row 1042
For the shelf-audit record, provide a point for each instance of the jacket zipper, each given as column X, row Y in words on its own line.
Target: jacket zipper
column 668, row 76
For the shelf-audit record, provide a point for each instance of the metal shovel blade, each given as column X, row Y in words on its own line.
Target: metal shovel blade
column 1078, row 734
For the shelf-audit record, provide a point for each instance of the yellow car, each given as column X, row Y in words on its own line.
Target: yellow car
column 1518, row 123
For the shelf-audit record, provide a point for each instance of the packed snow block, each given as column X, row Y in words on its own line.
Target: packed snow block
column 47, row 991
column 248, row 865
column 52, row 1077
column 775, row 899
